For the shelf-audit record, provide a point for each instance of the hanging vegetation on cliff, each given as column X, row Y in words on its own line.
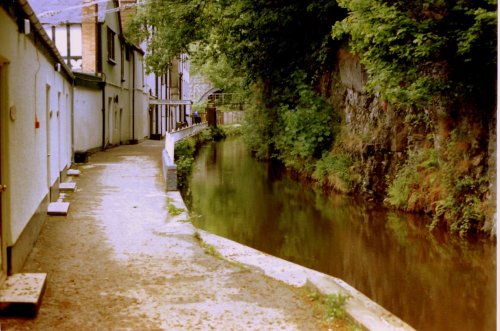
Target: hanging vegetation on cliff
column 436, row 62
column 417, row 51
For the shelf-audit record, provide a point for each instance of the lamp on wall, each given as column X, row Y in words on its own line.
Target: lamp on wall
column 58, row 67
column 27, row 26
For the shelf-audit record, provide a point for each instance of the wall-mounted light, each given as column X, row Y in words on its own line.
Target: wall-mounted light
column 58, row 67
column 27, row 26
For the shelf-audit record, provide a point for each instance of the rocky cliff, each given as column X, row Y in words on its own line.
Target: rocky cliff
column 440, row 160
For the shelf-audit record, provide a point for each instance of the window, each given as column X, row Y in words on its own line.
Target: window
column 111, row 46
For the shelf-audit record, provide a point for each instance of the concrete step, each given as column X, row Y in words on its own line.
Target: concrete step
column 21, row 294
column 73, row 172
column 58, row 208
column 67, row 187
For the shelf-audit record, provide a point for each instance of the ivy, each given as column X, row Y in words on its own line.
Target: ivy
column 416, row 52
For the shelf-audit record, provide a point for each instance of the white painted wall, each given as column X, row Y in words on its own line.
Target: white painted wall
column 118, row 105
column 25, row 148
column 87, row 114
column 141, row 99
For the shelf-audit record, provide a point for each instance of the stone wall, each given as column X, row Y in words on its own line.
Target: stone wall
column 379, row 136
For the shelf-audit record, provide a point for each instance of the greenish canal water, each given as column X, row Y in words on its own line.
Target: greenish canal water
column 431, row 281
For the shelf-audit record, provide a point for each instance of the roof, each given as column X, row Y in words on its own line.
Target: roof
column 24, row 11
column 57, row 12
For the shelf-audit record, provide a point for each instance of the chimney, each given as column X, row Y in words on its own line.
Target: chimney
column 89, row 37
column 127, row 10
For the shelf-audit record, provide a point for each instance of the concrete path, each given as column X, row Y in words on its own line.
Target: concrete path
column 118, row 261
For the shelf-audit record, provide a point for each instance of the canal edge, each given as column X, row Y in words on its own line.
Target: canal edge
column 367, row 313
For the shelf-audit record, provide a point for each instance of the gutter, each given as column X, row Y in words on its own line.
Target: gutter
column 104, row 114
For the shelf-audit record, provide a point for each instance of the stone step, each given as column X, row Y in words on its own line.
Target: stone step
column 21, row 294
column 58, row 208
column 67, row 187
column 73, row 172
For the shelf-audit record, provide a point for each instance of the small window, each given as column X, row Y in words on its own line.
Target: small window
column 111, row 46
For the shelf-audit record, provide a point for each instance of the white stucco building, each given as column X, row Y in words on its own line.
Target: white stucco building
column 69, row 83
column 110, row 100
column 36, row 98
column 169, row 97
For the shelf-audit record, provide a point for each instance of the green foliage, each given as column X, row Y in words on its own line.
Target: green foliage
column 184, row 148
column 417, row 51
column 198, row 107
column 211, row 133
column 209, row 249
column 451, row 185
column 418, row 120
column 173, row 210
column 399, row 191
column 232, row 130
column 283, row 48
column 307, row 128
column 462, row 208
column 413, row 185
column 158, row 22
column 184, row 159
column 218, row 71
column 259, row 127
column 258, row 38
column 334, row 171
column 334, row 304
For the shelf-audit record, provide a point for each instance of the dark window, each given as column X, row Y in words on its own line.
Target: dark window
column 111, row 46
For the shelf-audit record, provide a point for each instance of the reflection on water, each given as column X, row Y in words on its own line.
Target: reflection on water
column 433, row 282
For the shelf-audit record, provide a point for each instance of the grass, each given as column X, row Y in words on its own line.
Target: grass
column 331, row 308
column 174, row 211
column 209, row 249
column 333, row 304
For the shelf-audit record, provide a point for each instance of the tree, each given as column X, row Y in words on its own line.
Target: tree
column 280, row 46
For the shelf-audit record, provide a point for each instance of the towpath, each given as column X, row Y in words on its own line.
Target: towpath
column 118, row 262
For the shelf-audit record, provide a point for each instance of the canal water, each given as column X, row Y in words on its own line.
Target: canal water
column 431, row 281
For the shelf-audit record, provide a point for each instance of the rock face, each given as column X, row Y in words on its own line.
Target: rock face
column 380, row 137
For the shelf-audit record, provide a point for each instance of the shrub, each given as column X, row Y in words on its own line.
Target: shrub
column 184, row 148
column 334, row 171
column 308, row 126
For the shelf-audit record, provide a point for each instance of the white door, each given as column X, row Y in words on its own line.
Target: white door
column 47, row 121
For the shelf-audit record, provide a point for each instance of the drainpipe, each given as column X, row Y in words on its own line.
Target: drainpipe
column 133, row 98
column 73, row 84
column 103, row 114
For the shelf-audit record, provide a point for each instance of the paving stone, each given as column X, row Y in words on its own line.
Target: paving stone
column 21, row 294
column 58, row 208
column 73, row 172
column 70, row 186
